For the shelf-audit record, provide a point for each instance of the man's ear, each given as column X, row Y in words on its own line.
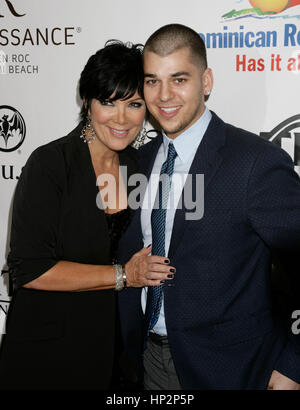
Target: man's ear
column 207, row 82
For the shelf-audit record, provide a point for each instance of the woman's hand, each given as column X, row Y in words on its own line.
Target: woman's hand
column 143, row 270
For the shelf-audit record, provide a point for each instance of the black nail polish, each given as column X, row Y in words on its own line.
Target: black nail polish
column 149, row 245
column 162, row 282
column 173, row 270
column 167, row 261
column 171, row 276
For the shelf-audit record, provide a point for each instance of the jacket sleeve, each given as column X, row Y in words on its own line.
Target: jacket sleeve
column 35, row 217
column 274, row 213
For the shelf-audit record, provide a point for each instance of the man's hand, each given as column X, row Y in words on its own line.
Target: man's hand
column 280, row 382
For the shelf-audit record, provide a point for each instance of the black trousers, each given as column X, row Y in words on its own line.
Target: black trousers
column 159, row 368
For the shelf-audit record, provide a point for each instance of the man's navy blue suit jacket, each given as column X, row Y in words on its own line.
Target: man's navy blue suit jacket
column 222, row 328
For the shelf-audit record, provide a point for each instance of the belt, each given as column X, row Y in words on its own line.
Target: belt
column 158, row 339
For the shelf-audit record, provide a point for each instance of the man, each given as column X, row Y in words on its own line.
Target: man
column 213, row 325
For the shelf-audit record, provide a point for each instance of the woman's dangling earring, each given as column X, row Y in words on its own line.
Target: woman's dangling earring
column 88, row 132
column 140, row 139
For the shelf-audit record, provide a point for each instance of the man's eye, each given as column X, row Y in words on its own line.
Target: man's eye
column 150, row 82
column 180, row 80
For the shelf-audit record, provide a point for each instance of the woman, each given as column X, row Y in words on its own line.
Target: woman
column 61, row 323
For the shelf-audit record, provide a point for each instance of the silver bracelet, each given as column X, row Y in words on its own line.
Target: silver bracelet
column 124, row 276
column 120, row 277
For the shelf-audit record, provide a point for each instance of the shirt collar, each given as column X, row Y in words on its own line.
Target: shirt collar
column 187, row 143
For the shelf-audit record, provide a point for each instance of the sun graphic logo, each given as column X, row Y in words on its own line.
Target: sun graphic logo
column 12, row 129
column 273, row 6
column 264, row 9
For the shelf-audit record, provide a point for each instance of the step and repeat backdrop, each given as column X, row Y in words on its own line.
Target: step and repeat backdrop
column 253, row 49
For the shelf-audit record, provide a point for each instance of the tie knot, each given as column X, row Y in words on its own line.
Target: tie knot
column 171, row 152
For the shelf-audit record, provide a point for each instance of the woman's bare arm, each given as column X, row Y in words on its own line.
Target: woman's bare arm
column 72, row 276
column 141, row 270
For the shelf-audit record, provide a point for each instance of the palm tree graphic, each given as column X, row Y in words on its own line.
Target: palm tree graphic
column 12, row 9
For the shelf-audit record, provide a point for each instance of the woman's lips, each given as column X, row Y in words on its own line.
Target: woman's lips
column 168, row 112
column 118, row 133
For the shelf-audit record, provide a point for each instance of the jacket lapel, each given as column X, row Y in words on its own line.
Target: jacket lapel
column 207, row 160
column 146, row 158
column 148, row 155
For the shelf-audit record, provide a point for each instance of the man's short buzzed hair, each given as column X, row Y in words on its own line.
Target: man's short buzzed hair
column 173, row 37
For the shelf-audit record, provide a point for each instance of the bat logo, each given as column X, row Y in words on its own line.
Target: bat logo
column 12, row 9
column 12, row 129
column 287, row 136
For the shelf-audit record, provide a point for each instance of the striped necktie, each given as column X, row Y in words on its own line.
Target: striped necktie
column 158, row 224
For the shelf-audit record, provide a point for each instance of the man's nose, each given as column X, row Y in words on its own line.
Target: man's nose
column 165, row 92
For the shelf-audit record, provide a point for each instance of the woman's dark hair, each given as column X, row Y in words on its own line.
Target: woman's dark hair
column 116, row 69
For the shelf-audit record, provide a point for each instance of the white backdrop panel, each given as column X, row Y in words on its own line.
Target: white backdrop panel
column 39, row 77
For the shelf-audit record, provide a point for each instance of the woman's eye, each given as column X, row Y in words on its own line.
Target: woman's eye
column 106, row 103
column 136, row 104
